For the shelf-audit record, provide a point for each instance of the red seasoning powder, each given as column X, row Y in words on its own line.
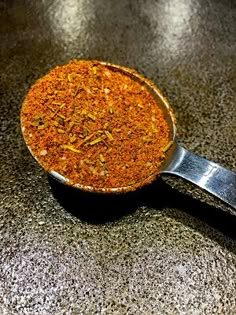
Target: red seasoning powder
column 95, row 125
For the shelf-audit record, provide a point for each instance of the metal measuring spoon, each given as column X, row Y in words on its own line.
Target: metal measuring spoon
column 208, row 175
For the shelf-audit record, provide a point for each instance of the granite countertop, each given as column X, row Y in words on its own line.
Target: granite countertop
column 166, row 249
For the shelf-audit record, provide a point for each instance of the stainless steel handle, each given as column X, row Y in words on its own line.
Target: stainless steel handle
column 208, row 175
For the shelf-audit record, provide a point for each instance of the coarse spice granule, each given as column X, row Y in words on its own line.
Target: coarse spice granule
column 95, row 126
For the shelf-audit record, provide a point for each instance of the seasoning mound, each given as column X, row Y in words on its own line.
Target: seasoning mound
column 95, row 125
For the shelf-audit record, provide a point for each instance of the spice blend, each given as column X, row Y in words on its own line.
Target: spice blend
column 95, row 125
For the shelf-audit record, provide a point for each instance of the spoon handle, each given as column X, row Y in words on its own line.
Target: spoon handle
column 208, row 175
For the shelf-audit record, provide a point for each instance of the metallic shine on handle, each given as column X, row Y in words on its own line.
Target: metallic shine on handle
column 208, row 175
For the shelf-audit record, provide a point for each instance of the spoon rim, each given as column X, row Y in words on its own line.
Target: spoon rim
column 141, row 182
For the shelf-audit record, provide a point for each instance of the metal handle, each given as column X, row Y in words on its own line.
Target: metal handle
column 208, row 175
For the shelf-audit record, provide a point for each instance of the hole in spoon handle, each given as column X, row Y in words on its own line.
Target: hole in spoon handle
column 208, row 175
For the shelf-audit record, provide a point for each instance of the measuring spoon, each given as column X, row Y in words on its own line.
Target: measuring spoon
column 208, row 175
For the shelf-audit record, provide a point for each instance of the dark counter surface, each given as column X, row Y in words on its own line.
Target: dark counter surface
column 166, row 249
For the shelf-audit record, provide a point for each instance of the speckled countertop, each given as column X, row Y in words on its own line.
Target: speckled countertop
column 166, row 249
